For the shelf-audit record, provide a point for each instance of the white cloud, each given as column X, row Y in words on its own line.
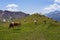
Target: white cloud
column 51, row 8
column 12, row 7
column 58, row 1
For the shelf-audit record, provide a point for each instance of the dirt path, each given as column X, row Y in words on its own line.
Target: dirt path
column 42, row 36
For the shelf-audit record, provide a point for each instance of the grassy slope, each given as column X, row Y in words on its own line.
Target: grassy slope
column 29, row 31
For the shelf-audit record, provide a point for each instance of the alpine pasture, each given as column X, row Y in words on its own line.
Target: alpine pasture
column 45, row 29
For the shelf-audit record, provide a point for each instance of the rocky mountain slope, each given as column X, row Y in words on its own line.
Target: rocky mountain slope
column 12, row 15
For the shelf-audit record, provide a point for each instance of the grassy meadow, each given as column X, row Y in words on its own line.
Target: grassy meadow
column 29, row 31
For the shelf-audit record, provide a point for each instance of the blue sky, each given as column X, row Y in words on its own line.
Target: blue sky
column 27, row 6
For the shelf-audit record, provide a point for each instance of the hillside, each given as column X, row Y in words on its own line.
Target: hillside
column 49, row 30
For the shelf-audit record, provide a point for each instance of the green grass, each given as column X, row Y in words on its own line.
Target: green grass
column 29, row 31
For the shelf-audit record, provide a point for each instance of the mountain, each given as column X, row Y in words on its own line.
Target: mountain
column 12, row 15
column 54, row 15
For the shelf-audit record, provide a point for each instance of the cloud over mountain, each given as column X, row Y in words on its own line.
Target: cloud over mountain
column 52, row 7
column 12, row 7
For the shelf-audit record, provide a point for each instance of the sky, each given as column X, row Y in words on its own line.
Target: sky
column 30, row 6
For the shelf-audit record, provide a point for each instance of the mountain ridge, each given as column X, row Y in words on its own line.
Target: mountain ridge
column 54, row 15
column 12, row 14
